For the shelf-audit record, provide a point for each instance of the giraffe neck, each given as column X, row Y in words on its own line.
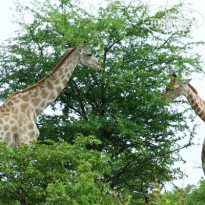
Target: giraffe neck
column 33, row 100
column 199, row 106
column 203, row 156
column 196, row 102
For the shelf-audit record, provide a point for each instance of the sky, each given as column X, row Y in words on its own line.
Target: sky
column 192, row 168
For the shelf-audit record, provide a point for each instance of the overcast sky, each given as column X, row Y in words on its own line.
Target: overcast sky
column 193, row 154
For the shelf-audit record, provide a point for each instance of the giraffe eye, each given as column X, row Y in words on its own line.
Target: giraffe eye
column 89, row 55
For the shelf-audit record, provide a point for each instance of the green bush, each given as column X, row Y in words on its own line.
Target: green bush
column 59, row 173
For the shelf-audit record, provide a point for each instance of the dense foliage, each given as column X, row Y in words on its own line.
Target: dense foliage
column 121, row 106
column 189, row 195
column 59, row 173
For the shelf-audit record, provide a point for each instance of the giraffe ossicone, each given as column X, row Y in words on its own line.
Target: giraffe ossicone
column 178, row 87
column 20, row 111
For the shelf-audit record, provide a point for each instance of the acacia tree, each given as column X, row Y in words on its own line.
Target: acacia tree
column 122, row 106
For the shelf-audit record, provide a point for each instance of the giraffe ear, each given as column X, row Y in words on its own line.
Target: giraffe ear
column 186, row 81
column 80, row 51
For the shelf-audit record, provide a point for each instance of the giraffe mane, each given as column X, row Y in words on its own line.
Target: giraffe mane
column 46, row 77
column 70, row 51
column 193, row 88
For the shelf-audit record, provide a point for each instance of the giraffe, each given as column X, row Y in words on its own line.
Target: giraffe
column 178, row 87
column 20, row 110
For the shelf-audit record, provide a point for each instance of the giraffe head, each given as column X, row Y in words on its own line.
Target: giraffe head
column 88, row 59
column 176, row 88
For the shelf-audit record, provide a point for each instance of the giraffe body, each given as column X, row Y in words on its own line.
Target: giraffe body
column 20, row 111
column 178, row 87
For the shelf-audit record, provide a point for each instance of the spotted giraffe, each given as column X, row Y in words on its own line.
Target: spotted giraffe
column 178, row 87
column 20, row 111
